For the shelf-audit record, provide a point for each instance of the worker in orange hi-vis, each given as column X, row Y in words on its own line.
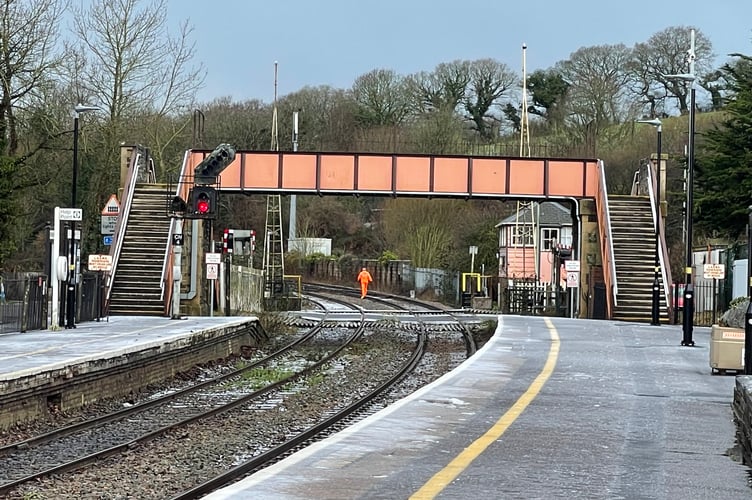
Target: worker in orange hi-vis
column 364, row 278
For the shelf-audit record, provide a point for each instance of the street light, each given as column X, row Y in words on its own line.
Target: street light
column 655, row 319
column 80, row 108
column 689, row 300
column 72, row 255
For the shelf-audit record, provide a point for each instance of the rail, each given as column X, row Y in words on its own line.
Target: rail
column 167, row 279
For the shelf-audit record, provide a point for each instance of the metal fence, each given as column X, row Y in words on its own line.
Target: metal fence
column 712, row 298
column 91, row 301
column 23, row 303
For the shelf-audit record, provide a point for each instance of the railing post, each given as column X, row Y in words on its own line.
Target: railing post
column 25, row 306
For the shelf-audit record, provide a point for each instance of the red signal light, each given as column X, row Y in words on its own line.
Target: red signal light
column 202, row 205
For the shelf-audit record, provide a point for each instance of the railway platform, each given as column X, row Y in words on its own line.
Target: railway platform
column 44, row 370
column 549, row 408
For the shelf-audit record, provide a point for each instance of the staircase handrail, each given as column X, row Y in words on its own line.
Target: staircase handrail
column 606, row 241
column 166, row 281
column 122, row 221
column 635, row 183
column 662, row 250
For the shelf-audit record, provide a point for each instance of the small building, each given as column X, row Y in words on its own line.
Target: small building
column 528, row 239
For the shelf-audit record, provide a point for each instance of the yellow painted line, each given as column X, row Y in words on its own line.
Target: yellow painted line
column 462, row 461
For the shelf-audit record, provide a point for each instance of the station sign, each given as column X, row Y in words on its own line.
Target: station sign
column 714, row 271
column 72, row 214
column 572, row 266
column 100, row 262
column 573, row 279
column 108, row 224
column 109, row 217
column 213, row 258
column 112, row 207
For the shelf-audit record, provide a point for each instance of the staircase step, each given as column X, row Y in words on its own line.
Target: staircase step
column 633, row 237
column 137, row 284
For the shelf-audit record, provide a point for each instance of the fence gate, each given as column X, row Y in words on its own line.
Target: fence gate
column 524, row 297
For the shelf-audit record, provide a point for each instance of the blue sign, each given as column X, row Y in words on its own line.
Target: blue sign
column 107, row 240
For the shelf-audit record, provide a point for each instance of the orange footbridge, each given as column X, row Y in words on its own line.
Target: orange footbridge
column 406, row 175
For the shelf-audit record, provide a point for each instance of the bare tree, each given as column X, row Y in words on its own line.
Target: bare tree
column 442, row 90
column 327, row 117
column 597, row 78
column 382, row 98
column 28, row 34
column 490, row 80
column 133, row 62
column 666, row 53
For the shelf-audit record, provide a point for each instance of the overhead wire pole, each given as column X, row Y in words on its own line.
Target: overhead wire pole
column 273, row 250
column 524, row 122
column 293, row 198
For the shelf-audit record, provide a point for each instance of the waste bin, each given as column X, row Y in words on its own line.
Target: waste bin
column 726, row 349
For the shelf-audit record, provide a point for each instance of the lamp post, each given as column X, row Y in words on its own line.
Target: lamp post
column 689, row 300
column 73, row 250
column 655, row 316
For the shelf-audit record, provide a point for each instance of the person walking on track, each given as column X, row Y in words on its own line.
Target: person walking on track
column 364, row 278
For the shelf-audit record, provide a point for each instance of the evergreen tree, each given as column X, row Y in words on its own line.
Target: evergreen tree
column 723, row 184
column 8, row 207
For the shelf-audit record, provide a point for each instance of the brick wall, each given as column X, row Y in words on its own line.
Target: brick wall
column 72, row 387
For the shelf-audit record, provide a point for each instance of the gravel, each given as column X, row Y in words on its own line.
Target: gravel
column 182, row 459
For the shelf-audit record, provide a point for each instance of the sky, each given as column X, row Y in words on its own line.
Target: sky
column 332, row 42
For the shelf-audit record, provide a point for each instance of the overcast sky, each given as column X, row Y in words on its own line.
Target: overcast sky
column 332, row 42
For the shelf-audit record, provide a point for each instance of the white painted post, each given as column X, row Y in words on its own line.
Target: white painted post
column 177, row 267
column 55, row 318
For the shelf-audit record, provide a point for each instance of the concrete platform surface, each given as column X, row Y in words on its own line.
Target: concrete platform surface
column 550, row 408
column 30, row 353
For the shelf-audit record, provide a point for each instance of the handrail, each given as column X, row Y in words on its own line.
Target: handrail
column 122, row 221
column 635, row 183
column 662, row 250
column 167, row 279
column 606, row 241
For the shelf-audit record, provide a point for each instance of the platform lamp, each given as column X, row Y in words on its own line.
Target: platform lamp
column 72, row 263
column 689, row 300
column 655, row 316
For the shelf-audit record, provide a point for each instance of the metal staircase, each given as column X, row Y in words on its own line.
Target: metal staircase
column 633, row 236
column 137, row 284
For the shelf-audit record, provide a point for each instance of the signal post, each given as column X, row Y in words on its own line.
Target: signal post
column 202, row 204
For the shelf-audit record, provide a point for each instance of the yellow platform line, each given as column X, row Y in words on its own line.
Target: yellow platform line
column 462, row 461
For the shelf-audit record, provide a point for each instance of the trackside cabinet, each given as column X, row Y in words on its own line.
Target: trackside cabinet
column 726, row 349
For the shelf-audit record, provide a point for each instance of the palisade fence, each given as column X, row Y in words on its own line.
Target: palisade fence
column 396, row 144
column 23, row 303
column 91, row 299
column 712, row 299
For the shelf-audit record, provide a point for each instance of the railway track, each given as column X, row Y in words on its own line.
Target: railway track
column 77, row 445
column 266, row 399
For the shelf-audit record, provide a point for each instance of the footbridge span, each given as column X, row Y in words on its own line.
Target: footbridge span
column 581, row 181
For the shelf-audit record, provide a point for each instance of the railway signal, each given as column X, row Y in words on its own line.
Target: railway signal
column 202, row 201
column 210, row 167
